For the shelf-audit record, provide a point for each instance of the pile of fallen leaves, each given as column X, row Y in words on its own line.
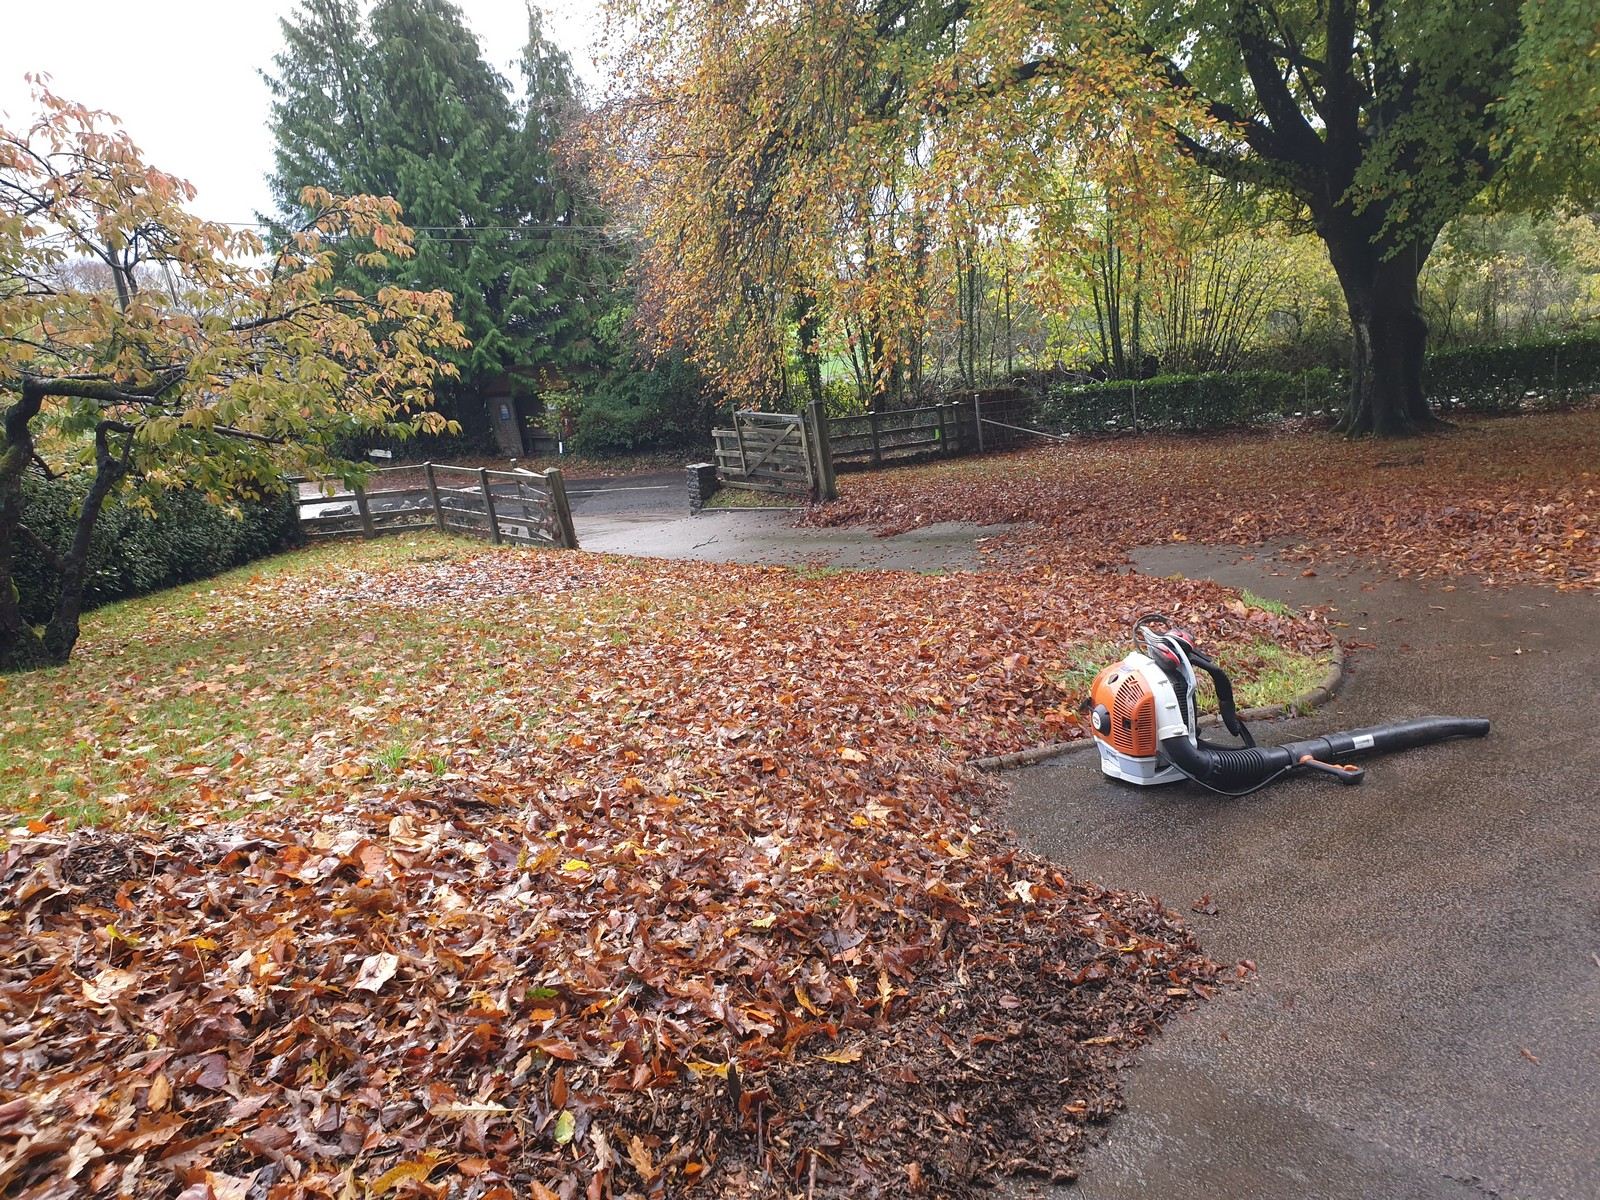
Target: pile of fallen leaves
column 676, row 881
column 1506, row 501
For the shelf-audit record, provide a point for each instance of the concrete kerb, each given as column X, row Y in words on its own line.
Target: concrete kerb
column 1304, row 703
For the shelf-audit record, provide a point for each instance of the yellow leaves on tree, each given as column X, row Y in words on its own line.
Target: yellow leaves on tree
column 810, row 174
column 150, row 349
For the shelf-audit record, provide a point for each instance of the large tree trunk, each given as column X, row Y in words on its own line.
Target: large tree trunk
column 1389, row 338
column 61, row 634
column 21, row 647
column 809, row 332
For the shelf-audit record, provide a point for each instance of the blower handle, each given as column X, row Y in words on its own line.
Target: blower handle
column 1345, row 773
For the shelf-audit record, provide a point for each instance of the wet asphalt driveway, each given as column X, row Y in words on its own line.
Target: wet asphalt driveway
column 1426, row 1018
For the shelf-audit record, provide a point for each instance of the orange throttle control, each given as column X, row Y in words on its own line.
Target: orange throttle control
column 1343, row 772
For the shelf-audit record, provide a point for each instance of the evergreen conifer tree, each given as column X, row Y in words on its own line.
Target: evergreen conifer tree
column 404, row 104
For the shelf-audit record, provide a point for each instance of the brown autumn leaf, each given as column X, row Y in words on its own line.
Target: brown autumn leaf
column 417, row 1170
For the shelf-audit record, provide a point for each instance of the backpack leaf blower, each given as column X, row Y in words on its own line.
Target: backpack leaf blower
column 1142, row 714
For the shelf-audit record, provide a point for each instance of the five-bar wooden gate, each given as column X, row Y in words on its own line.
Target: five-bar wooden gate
column 502, row 506
column 766, row 452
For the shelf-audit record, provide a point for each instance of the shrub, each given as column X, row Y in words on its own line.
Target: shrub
column 131, row 553
column 664, row 407
column 1189, row 403
column 1482, row 379
column 1515, row 378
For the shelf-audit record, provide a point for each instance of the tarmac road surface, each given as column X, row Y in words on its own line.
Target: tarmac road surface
column 1426, row 1019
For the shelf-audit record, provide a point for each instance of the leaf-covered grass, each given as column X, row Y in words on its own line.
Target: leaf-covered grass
column 305, row 673
column 1504, row 500
column 563, row 873
column 736, row 498
column 265, row 684
column 1085, row 662
column 1251, row 600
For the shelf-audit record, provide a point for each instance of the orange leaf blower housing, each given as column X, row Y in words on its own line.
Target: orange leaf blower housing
column 1142, row 714
column 1132, row 706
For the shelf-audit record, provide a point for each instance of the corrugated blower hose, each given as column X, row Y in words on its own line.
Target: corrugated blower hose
column 1142, row 713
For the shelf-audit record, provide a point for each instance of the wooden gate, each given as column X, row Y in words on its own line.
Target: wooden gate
column 502, row 506
column 766, row 452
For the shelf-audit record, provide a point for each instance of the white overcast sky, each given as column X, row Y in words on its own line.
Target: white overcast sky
column 184, row 75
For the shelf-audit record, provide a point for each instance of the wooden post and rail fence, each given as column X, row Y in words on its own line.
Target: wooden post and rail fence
column 879, row 436
column 521, row 507
column 793, row 454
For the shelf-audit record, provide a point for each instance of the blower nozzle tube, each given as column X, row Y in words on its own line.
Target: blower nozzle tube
column 1235, row 769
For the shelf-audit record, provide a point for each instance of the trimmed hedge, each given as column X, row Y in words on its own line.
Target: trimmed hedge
column 131, row 553
column 1530, row 376
column 1517, row 378
column 1189, row 403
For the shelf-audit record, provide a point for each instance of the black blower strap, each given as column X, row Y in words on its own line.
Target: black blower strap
column 1225, row 704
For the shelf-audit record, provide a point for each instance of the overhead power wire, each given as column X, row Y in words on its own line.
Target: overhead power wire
column 531, row 227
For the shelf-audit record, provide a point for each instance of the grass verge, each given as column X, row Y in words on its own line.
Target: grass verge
column 735, row 498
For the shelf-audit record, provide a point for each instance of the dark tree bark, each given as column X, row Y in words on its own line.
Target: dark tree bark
column 22, row 647
column 808, row 329
column 61, row 634
column 1388, row 336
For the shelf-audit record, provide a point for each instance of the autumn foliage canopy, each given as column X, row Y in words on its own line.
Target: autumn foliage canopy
column 189, row 354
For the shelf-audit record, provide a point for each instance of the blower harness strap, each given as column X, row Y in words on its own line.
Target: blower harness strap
column 1224, row 689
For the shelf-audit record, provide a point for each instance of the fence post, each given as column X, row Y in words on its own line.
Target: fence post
column 872, row 428
column 488, row 506
column 977, row 420
column 738, row 433
column 433, row 496
column 561, row 507
column 809, row 455
column 944, row 436
column 827, row 485
column 367, row 530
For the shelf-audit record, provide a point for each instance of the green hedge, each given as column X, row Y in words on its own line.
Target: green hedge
column 131, row 553
column 1519, row 378
column 1530, row 376
column 1190, row 403
column 663, row 407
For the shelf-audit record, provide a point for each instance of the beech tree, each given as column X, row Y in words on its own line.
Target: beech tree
column 1374, row 121
column 1380, row 120
column 207, row 363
